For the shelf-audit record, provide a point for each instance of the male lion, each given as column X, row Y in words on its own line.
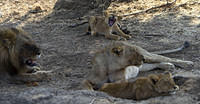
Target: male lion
column 18, row 54
column 121, row 61
column 143, row 87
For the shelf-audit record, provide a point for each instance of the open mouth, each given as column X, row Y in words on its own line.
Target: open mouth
column 172, row 92
column 111, row 21
column 30, row 62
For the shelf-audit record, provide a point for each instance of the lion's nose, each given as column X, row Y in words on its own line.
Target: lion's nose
column 176, row 87
column 38, row 53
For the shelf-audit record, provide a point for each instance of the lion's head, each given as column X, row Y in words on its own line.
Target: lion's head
column 111, row 19
column 164, row 83
column 18, row 51
column 125, row 54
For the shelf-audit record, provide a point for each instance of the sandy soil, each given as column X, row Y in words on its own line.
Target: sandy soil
column 68, row 52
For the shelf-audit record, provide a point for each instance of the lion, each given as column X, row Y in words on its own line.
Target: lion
column 143, row 87
column 18, row 55
column 106, row 24
column 121, row 61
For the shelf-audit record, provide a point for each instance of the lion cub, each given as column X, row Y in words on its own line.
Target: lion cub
column 143, row 87
column 106, row 25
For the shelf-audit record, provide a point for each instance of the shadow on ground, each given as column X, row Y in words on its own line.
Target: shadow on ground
column 68, row 53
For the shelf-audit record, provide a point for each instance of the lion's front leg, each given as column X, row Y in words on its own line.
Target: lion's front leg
column 120, row 32
column 32, row 77
column 92, row 25
column 109, row 35
column 162, row 65
column 154, row 58
column 33, row 69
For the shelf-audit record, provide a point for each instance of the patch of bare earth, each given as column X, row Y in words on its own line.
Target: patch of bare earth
column 68, row 52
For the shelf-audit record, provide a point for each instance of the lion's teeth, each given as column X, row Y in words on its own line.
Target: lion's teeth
column 38, row 56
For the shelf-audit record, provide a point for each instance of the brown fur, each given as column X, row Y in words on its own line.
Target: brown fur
column 110, row 63
column 100, row 24
column 16, row 49
column 143, row 87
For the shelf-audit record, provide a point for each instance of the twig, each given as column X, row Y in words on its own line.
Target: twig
column 151, row 35
column 92, row 101
column 151, row 9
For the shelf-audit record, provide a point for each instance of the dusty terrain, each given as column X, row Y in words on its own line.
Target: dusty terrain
column 67, row 52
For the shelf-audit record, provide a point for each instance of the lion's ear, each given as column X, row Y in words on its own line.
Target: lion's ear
column 6, row 43
column 105, row 13
column 154, row 78
column 16, row 30
column 117, row 50
column 168, row 74
column 8, row 36
column 119, row 18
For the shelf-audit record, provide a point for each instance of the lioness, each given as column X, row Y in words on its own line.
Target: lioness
column 143, row 87
column 121, row 61
column 18, row 54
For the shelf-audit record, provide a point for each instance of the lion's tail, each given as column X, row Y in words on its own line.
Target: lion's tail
column 184, row 46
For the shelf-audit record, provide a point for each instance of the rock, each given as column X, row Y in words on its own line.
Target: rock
column 15, row 13
column 82, row 7
column 37, row 9
column 82, row 4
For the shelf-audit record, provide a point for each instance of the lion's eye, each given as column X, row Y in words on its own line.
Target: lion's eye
column 117, row 50
column 143, row 59
column 33, row 48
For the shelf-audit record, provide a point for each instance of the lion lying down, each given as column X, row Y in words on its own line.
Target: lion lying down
column 143, row 87
column 18, row 55
column 121, row 61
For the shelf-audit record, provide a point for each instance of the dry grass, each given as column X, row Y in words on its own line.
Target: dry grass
column 186, row 7
column 17, row 10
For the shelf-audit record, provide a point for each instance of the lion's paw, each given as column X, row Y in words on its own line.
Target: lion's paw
column 131, row 72
column 128, row 37
column 167, row 66
column 190, row 63
column 122, row 39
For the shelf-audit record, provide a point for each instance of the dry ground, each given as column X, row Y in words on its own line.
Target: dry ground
column 68, row 53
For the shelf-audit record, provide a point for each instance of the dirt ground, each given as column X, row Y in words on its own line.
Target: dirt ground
column 67, row 52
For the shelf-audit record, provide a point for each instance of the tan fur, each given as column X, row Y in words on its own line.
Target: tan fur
column 16, row 47
column 143, row 87
column 99, row 24
column 110, row 63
